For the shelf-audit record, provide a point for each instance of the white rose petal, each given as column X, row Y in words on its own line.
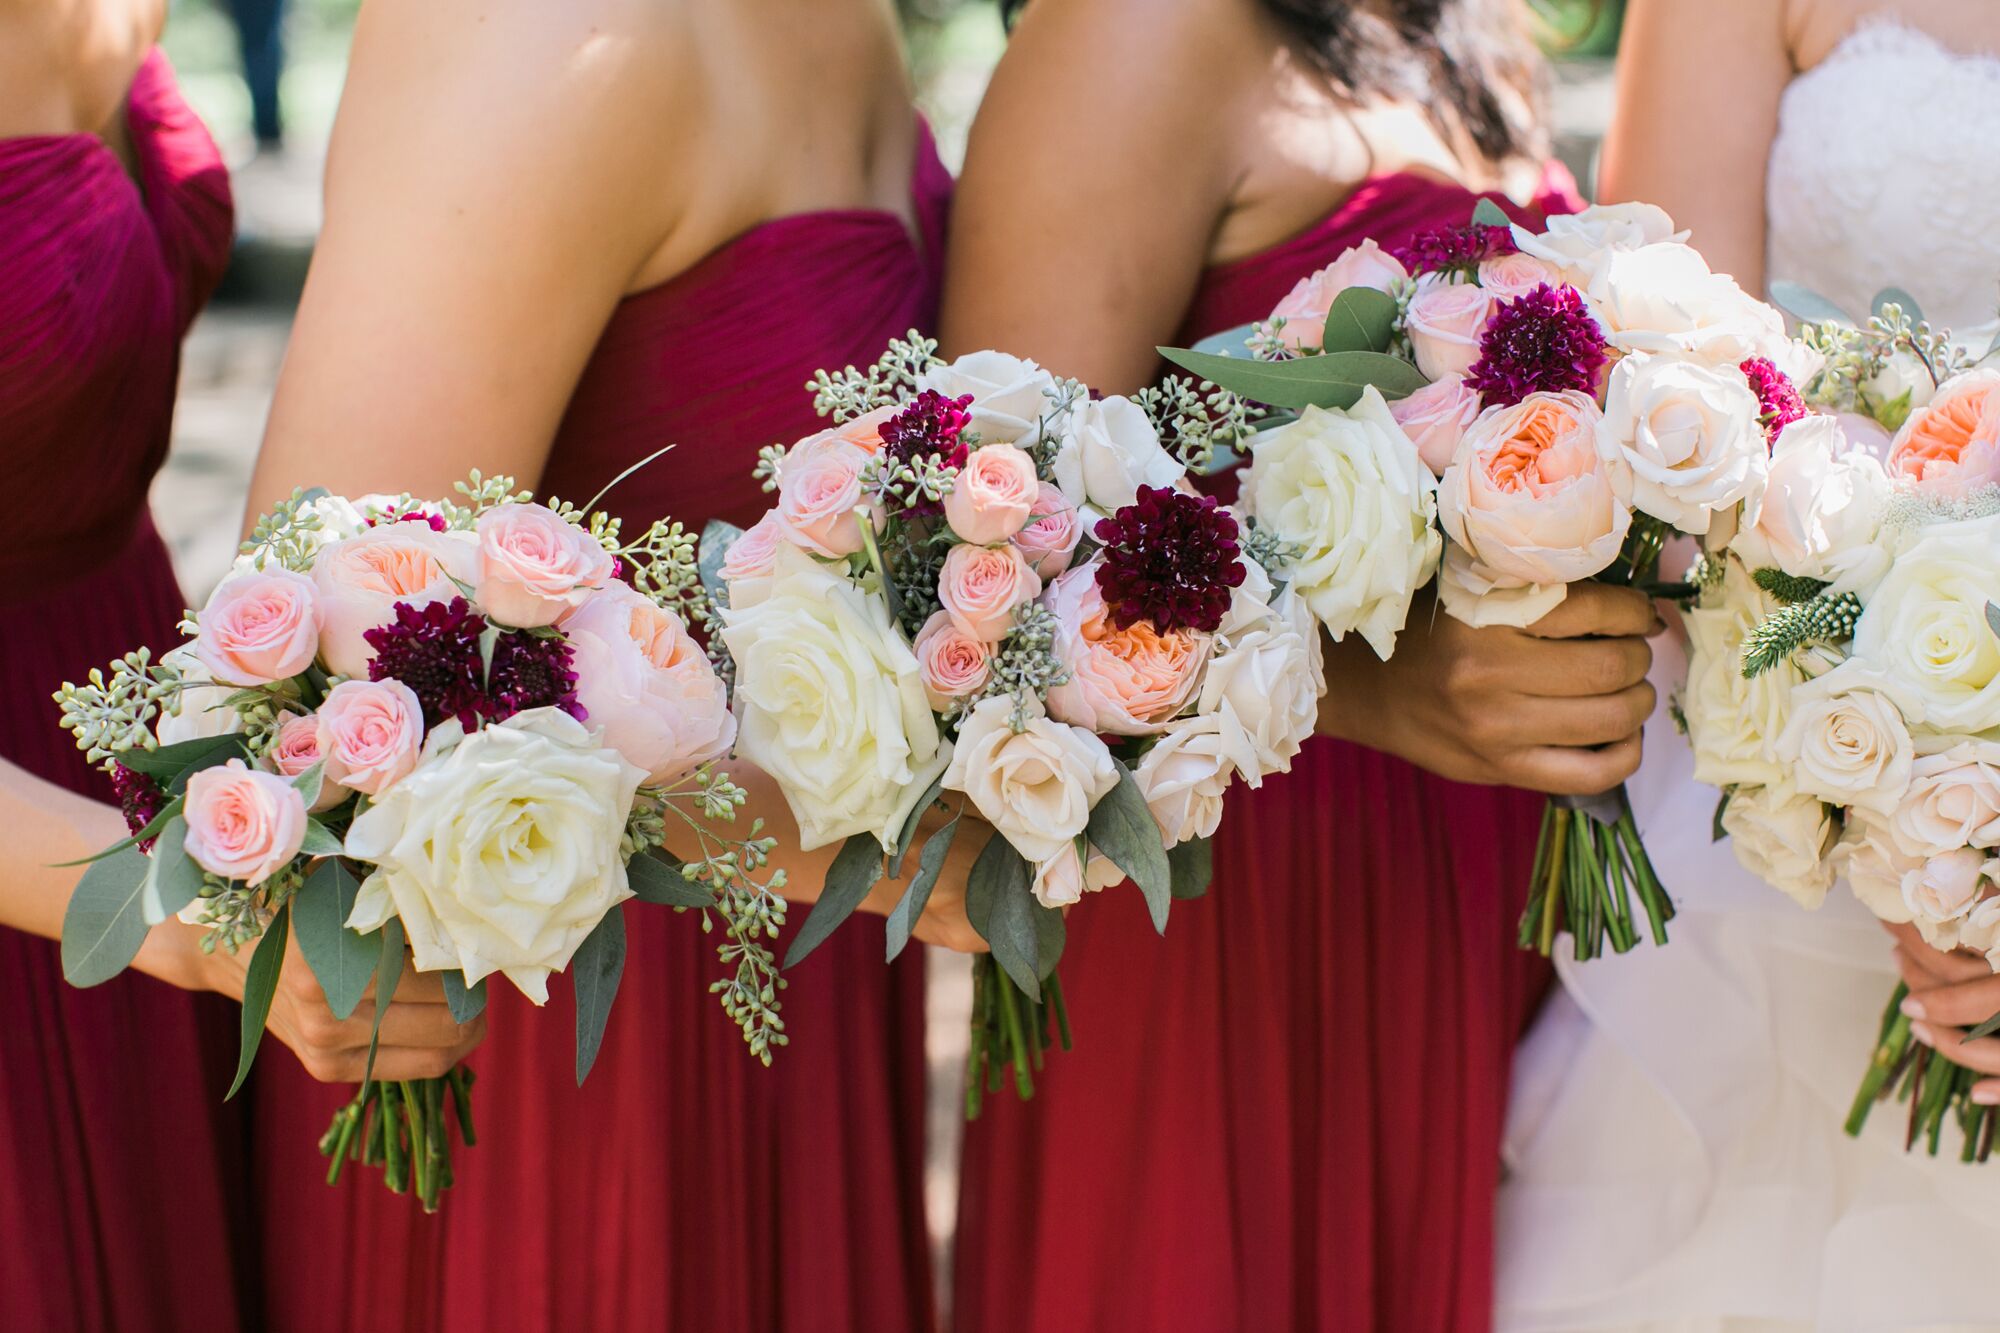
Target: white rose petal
column 1821, row 509
column 1847, row 747
column 1783, row 838
column 1688, row 437
column 1035, row 786
column 1110, row 450
column 1923, row 633
column 1733, row 723
column 1012, row 398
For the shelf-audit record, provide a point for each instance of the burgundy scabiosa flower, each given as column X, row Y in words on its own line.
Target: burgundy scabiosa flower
column 1778, row 398
column 1170, row 558
column 930, row 427
column 1443, row 249
column 434, row 650
column 1544, row 341
column 139, row 797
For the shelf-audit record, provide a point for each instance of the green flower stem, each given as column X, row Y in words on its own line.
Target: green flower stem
column 460, row 1080
column 1053, row 987
column 395, row 1170
column 1017, row 1041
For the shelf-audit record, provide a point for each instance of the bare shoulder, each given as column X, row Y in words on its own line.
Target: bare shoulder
column 1171, row 47
column 67, row 65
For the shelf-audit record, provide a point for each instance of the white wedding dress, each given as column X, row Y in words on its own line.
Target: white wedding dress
column 1676, row 1159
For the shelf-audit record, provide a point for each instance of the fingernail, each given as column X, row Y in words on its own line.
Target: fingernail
column 1913, row 1008
column 1923, row 1034
column 1985, row 1094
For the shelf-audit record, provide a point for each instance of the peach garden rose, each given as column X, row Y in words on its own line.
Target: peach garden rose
column 1123, row 682
column 645, row 682
column 1952, row 445
column 361, row 578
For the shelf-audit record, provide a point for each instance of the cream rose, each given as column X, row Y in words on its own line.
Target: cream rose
column 1923, row 636
column 1782, row 838
column 1125, row 682
column 1688, row 437
column 362, row 578
column 1579, row 245
column 1733, row 723
column 1304, row 307
column 1436, row 418
column 954, row 665
column 243, row 823
column 830, row 702
column 1184, row 778
column 370, row 733
column 1953, row 799
column 981, row 587
column 1036, row 787
column 1821, row 509
column 1945, row 887
column 534, row 567
column 1349, row 491
column 1662, row 298
column 1847, row 747
column 1054, row 528
column 1011, row 397
column 501, row 851
column 1110, row 451
column 1868, row 858
column 1263, row 689
column 993, row 495
column 647, row 685
column 1061, row 882
column 1444, row 321
column 258, row 628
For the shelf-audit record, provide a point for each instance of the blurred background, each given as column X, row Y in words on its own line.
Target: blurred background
column 232, row 357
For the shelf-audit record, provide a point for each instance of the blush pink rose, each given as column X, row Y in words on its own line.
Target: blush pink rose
column 993, row 495
column 1122, row 682
column 747, row 564
column 258, row 627
column 1951, row 445
column 371, row 733
column 1510, row 277
column 952, row 664
column 1435, row 418
column 1444, row 322
column 243, row 823
column 295, row 749
column 361, row 578
column 1529, row 496
column 980, row 586
column 535, row 567
column 819, row 491
column 648, row 685
column 1050, row 538
column 1304, row 307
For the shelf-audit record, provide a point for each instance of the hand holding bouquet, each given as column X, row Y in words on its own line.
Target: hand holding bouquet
column 447, row 730
column 983, row 590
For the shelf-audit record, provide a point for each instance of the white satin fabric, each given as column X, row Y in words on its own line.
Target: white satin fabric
column 1676, row 1159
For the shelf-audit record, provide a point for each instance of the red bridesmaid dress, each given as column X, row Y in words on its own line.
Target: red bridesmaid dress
column 120, row 1167
column 1286, row 1114
column 684, row 1186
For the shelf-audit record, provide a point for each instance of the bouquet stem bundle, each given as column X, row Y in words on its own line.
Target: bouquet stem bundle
column 1930, row 1082
column 1009, row 1028
column 402, row 1127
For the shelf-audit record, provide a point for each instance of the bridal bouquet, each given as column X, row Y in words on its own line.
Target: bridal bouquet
column 1844, row 674
column 444, row 727
column 1510, row 411
column 981, row 590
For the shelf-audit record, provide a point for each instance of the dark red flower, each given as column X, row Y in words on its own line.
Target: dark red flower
column 1443, row 249
column 1778, row 399
column 930, row 427
column 1170, row 558
column 1543, row 341
column 139, row 798
column 434, row 650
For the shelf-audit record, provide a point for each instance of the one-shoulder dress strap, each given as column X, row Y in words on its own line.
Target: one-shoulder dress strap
column 185, row 184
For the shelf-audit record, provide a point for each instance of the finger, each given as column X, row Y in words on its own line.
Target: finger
column 419, row 987
column 425, row 1025
column 396, row 1063
column 1981, row 1055
column 1964, row 1005
column 1924, row 967
column 1563, row 771
column 1599, row 609
column 1593, row 720
column 1986, row 1092
column 1568, row 668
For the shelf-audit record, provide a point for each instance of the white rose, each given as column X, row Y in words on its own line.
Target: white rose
column 1732, row 722
column 1953, row 798
column 1847, row 747
column 1868, row 858
column 1581, row 244
column 1035, row 786
column 1110, row 450
column 1688, row 435
column 1943, row 889
column 198, row 711
column 1903, row 373
column 1980, row 929
column 1059, row 882
column 1663, row 298
column 501, row 851
column 1011, row 397
column 1923, row 633
column 1349, row 490
column 1264, row 693
column 1184, row 777
column 830, row 702
column 1821, row 509
column 1782, row 838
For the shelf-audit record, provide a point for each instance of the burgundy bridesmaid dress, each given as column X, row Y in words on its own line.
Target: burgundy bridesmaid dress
column 1286, row 1114
column 684, row 1187
column 120, row 1167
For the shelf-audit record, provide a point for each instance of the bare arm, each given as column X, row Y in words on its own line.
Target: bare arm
column 1698, row 89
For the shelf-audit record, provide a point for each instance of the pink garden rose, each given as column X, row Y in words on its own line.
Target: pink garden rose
column 1049, row 539
column 1444, row 322
column 361, row 578
column 952, row 663
column 1508, row 277
column 1122, row 682
column 536, row 567
column 993, row 495
column 1951, row 445
column 747, row 565
column 818, row 492
column 648, row 685
column 1435, row 418
column 258, row 627
column 371, row 733
column 243, row 823
column 295, row 749
column 1304, row 307
column 980, row 586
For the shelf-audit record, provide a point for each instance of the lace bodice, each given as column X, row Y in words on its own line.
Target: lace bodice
column 1881, row 174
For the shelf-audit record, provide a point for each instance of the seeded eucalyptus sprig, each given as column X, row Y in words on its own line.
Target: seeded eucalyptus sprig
column 1856, row 355
column 481, row 493
column 110, row 716
column 288, row 535
column 1026, row 667
column 854, row 393
column 1194, row 421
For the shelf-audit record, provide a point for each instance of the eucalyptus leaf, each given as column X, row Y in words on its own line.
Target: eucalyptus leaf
column 310, row 782
column 1335, row 380
column 104, row 924
column 1124, row 829
column 1361, row 319
column 910, row 826
column 465, row 1002
column 311, row 493
column 1993, row 618
column 260, row 983
column 173, row 880
column 598, row 964
column 489, row 639
column 321, row 840
column 1486, row 213
column 999, row 904
column 341, row 959
column 1899, row 297
column 656, row 877
column 1986, row 1029
column 853, row 873
column 1230, row 342
column 712, row 550
column 388, row 975
column 1192, row 865
column 1716, row 832
column 1050, row 936
column 911, row 906
column 1806, row 305
column 168, row 760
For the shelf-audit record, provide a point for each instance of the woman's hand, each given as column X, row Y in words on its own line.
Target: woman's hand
column 1950, row 992
column 1556, row 707
column 419, row 1039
